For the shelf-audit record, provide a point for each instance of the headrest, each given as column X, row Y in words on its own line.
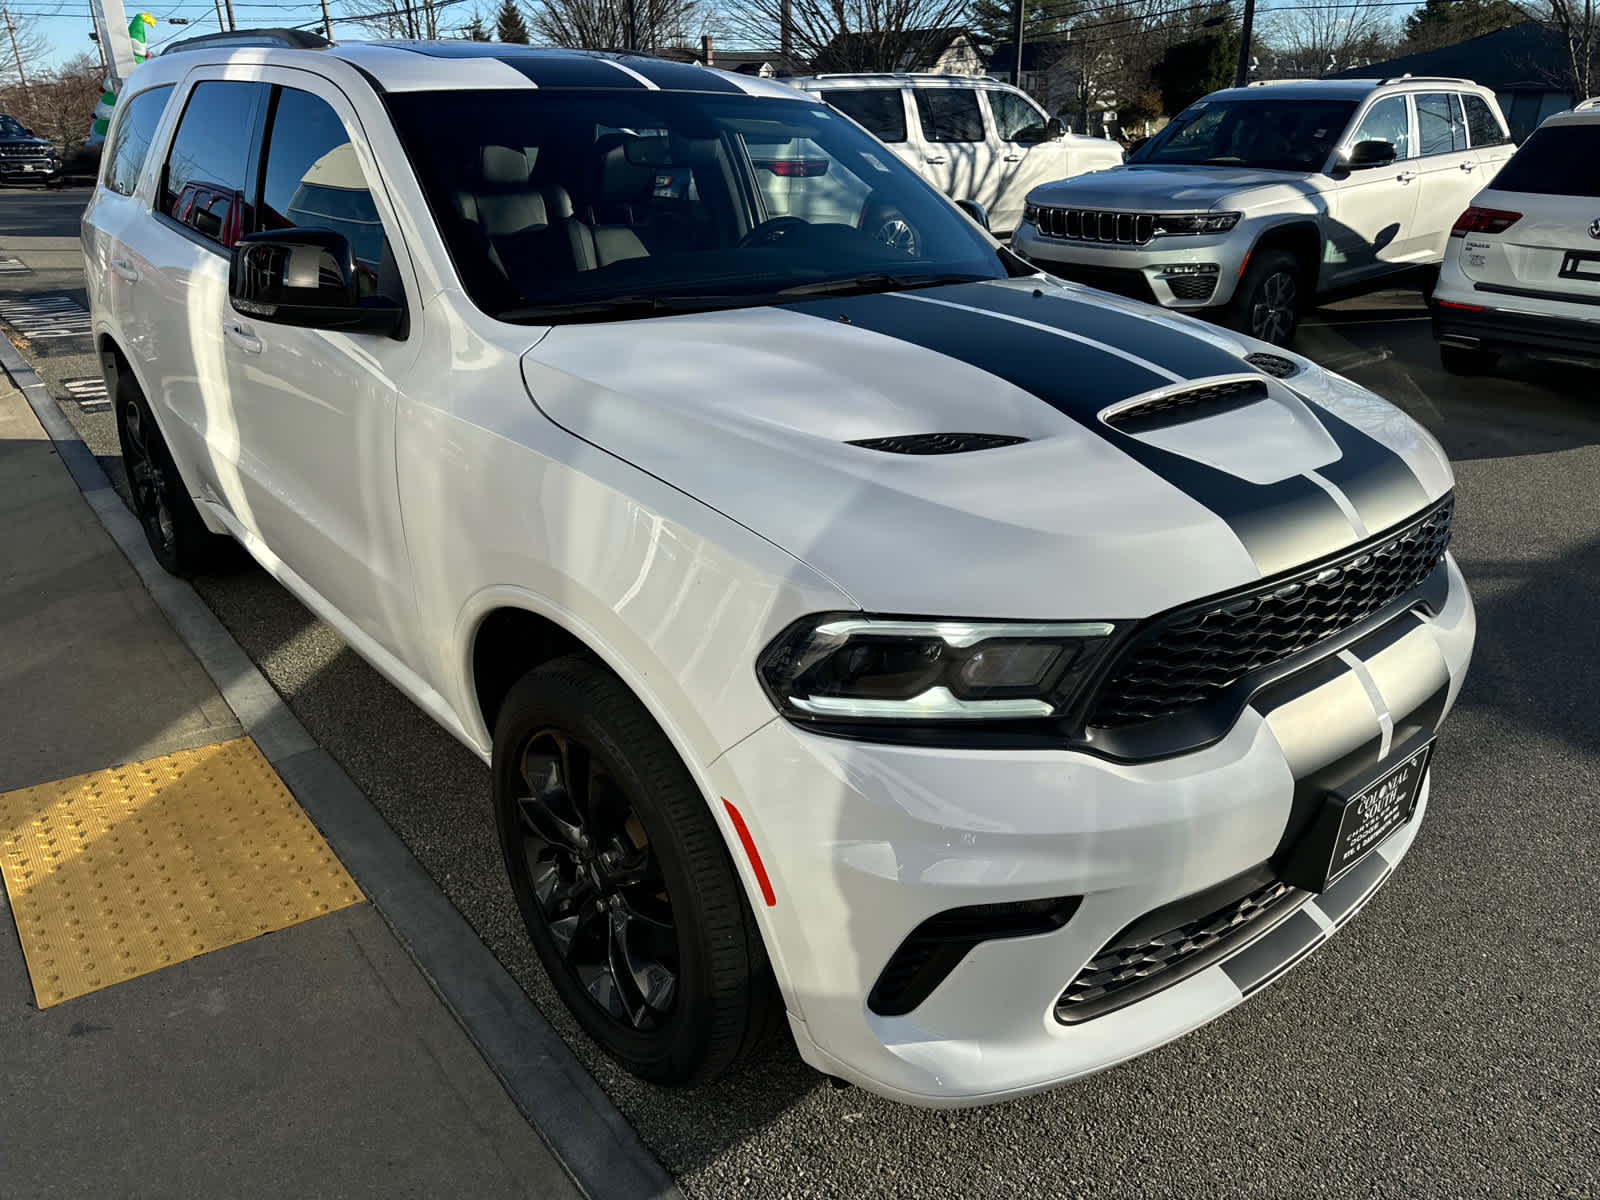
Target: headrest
column 503, row 165
column 557, row 201
column 616, row 177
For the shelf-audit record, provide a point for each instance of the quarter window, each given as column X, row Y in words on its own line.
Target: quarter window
column 1386, row 121
column 207, row 173
column 949, row 114
column 1439, row 126
column 130, row 144
column 314, row 179
column 1481, row 123
column 880, row 111
column 1015, row 120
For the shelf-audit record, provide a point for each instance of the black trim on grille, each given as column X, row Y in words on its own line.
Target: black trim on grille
column 938, row 443
column 1192, row 287
column 1094, row 225
column 1176, row 941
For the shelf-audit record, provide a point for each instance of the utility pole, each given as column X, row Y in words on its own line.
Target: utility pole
column 630, row 32
column 1241, row 73
column 232, row 24
column 1017, row 9
column 786, row 31
column 22, row 77
column 327, row 22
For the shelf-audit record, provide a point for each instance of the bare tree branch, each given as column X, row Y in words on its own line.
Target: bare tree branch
column 848, row 35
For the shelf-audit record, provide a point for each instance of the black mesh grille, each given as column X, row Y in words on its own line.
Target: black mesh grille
column 1187, row 405
column 1282, row 368
column 939, row 443
column 1193, row 287
column 1188, row 656
column 1129, row 969
column 1082, row 225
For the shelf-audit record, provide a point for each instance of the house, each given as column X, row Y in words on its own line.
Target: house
column 948, row 51
column 1524, row 65
column 764, row 64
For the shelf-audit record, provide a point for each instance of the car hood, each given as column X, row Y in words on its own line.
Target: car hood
column 754, row 413
column 30, row 142
column 1152, row 188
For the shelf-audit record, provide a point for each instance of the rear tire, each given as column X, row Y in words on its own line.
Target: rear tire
column 178, row 537
column 1459, row 360
column 1268, row 301
column 624, row 881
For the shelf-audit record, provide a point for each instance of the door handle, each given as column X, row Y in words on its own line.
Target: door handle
column 125, row 269
column 1013, row 158
column 934, row 162
column 1467, row 166
column 242, row 336
column 1406, row 176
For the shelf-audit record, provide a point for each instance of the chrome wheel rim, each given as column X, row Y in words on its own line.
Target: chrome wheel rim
column 1272, row 316
column 594, row 881
column 147, row 482
column 897, row 235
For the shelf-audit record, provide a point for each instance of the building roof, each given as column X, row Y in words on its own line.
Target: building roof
column 1523, row 57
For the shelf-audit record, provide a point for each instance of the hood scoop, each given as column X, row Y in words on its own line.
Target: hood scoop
column 1182, row 403
column 938, row 443
column 1272, row 364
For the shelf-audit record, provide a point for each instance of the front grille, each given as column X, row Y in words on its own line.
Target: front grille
column 1190, row 404
column 1130, row 968
column 1092, row 225
column 24, row 152
column 938, row 443
column 1193, row 287
column 1188, row 656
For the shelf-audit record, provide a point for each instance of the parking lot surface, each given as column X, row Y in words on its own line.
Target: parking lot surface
column 1446, row 1043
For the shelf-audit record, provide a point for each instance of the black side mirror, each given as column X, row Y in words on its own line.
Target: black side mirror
column 1137, row 144
column 974, row 210
column 1364, row 155
column 1054, row 129
column 309, row 278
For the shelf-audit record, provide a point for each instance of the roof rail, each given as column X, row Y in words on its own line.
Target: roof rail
column 900, row 75
column 1270, row 82
column 1586, row 105
column 290, row 39
column 1426, row 79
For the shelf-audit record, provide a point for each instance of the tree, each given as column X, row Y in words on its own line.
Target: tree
column 647, row 25
column 1322, row 38
column 509, row 25
column 1190, row 69
column 61, row 103
column 993, row 24
column 1445, row 22
column 397, row 18
column 475, row 30
column 847, row 35
column 31, row 48
column 1577, row 23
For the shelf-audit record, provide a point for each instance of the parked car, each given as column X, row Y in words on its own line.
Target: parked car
column 989, row 678
column 25, row 158
column 1523, row 268
column 974, row 139
column 1254, row 202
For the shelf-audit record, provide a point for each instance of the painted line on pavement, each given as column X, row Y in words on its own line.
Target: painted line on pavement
column 559, row 1098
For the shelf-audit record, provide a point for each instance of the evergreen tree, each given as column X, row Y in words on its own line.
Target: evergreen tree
column 476, row 31
column 509, row 25
column 1195, row 67
column 1446, row 22
column 992, row 21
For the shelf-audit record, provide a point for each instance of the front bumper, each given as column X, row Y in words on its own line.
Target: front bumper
column 863, row 842
column 1140, row 271
column 31, row 171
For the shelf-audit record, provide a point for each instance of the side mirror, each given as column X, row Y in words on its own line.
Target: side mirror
column 308, row 278
column 1137, row 144
column 1054, row 130
column 974, row 210
column 1364, row 155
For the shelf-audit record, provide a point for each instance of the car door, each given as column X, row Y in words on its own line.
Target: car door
column 1447, row 172
column 1487, row 136
column 316, row 409
column 956, row 154
column 178, row 267
column 1027, row 156
column 1371, row 211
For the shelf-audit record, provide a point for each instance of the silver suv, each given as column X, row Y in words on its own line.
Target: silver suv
column 1253, row 201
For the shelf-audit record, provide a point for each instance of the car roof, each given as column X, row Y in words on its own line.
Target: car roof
column 887, row 79
column 1342, row 89
column 1586, row 112
column 412, row 66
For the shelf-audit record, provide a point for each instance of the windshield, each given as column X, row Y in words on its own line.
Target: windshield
column 11, row 127
column 573, row 205
column 1269, row 134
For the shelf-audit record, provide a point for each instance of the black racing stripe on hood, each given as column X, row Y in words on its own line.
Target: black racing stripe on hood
column 1376, row 480
column 682, row 77
column 571, row 71
column 1281, row 524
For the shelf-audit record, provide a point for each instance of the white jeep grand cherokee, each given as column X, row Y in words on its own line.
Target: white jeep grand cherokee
column 1252, row 202
column 995, row 678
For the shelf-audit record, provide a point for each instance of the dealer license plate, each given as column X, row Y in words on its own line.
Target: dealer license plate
column 1376, row 811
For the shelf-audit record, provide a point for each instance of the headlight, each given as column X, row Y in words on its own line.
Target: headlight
column 1030, row 213
column 848, row 668
column 1176, row 223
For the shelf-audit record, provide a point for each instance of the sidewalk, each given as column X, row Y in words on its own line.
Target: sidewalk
column 312, row 1060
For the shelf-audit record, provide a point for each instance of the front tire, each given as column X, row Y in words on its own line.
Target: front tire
column 178, row 537
column 1269, row 298
column 624, row 881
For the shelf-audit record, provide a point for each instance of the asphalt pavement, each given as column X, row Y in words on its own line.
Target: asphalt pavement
column 1446, row 1043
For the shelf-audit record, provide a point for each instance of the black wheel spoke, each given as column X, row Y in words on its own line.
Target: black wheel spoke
column 644, row 984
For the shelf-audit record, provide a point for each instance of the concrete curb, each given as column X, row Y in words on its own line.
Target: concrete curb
column 561, row 1100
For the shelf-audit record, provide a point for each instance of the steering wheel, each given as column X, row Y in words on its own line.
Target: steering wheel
column 771, row 232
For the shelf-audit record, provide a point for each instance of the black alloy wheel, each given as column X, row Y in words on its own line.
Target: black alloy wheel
column 1267, row 303
column 178, row 537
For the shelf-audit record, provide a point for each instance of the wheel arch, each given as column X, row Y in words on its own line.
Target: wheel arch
column 1303, row 239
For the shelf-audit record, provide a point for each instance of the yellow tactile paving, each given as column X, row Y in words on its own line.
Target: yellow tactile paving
column 121, row 872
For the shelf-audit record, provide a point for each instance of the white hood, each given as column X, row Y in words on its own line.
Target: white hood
column 1176, row 189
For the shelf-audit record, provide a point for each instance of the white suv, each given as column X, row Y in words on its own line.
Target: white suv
column 1253, row 202
column 993, row 678
column 974, row 139
column 1523, row 268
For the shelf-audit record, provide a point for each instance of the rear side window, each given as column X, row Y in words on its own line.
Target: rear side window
column 207, row 173
column 1563, row 160
column 949, row 114
column 880, row 111
column 313, row 179
column 1439, row 126
column 130, row 143
column 1481, row 124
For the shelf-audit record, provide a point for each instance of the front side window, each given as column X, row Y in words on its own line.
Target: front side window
column 130, row 141
column 1386, row 121
column 880, row 111
column 1558, row 160
column 1440, row 129
column 1015, row 120
column 579, row 205
column 207, row 174
column 313, row 179
column 1482, row 127
column 1267, row 134
column 949, row 114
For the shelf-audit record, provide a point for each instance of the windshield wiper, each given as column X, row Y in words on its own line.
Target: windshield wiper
column 601, row 308
column 876, row 282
